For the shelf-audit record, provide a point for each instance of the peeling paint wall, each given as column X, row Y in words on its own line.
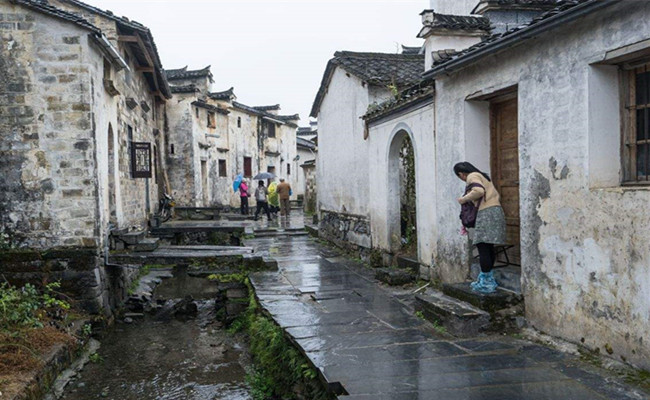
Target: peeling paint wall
column 585, row 258
column 384, row 191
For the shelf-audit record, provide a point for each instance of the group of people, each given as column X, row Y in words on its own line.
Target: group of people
column 269, row 199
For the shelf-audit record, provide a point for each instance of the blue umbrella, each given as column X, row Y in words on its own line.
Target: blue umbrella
column 237, row 182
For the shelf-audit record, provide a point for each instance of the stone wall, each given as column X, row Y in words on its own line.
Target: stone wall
column 348, row 231
column 48, row 170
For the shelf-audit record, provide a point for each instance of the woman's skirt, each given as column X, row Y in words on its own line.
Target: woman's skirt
column 490, row 226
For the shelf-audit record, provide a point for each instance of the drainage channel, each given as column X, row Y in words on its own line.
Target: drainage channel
column 177, row 351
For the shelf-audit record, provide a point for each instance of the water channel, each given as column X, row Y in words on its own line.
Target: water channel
column 166, row 356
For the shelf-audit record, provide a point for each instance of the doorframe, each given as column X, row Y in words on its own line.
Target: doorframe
column 499, row 97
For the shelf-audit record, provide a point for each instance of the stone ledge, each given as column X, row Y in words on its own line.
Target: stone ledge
column 492, row 302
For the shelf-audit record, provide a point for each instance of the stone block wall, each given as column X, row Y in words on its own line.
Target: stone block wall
column 48, row 196
column 348, row 231
column 311, row 200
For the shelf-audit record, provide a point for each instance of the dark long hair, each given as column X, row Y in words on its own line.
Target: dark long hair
column 468, row 169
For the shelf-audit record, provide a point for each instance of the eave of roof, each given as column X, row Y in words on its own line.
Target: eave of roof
column 400, row 64
column 225, row 95
column 185, row 89
column 184, row 73
column 566, row 11
column 416, row 94
column 436, row 22
column 304, row 143
column 486, row 5
column 210, row 107
column 274, row 107
column 161, row 79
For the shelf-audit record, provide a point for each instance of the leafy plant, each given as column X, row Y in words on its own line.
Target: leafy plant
column 87, row 330
column 95, row 358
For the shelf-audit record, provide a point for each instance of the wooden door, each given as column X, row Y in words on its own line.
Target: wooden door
column 505, row 168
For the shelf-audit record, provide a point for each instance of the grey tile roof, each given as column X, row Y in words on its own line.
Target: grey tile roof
column 515, row 4
column 210, row 107
column 308, row 144
column 306, row 131
column 411, row 50
column 185, row 89
column 184, row 73
column 273, row 107
column 516, row 35
column 225, row 95
column 422, row 90
column 287, row 119
column 128, row 25
column 434, row 21
column 45, row 8
column 381, row 69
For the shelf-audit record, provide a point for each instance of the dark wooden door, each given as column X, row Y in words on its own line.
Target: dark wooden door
column 505, row 168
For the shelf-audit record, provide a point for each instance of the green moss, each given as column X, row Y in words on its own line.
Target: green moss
column 280, row 370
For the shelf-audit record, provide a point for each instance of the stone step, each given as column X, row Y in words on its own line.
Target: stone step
column 499, row 300
column 408, row 263
column 280, row 233
column 508, row 277
column 148, row 244
column 395, row 276
column 132, row 238
column 459, row 318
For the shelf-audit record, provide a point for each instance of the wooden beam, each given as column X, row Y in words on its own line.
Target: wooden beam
column 144, row 51
column 127, row 38
column 144, row 69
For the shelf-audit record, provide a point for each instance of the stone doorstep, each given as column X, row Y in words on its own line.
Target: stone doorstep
column 492, row 302
column 459, row 318
column 281, row 233
column 147, row 244
column 508, row 276
column 132, row 237
column 408, row 263
column 395, row 276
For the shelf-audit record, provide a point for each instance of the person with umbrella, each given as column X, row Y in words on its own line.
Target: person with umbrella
column 243, row 194
column 260, row 197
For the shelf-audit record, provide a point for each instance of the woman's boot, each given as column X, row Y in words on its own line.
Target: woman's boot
column 485, row 283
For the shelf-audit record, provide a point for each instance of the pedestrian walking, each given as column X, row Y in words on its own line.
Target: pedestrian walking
column 260, row 197
column 274, row 200
column 243, row 195
column 284, row 192
column 489, row 224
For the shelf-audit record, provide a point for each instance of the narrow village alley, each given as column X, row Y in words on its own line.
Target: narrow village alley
column 367, row 343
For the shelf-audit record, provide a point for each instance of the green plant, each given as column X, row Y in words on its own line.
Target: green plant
column 438, row 327
column 227, row 278
column 87, row 330
column 6, row 241
column 26, row 307
column 419, row 314
column 95, row 358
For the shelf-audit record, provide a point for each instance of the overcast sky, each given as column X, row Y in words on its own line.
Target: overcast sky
column 271, row 51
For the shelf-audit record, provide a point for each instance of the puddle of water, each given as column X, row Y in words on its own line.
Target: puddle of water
column 164, row 358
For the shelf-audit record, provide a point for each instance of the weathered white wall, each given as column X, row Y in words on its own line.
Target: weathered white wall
column 384, row 202
column 585, row 259
column 301, row 178
column 446, row 42
column 454, row 7
column 343, row 171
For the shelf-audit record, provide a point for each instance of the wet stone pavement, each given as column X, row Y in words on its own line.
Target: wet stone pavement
column 367, row 343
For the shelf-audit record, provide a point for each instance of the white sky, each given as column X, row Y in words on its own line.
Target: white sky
column 271, row 51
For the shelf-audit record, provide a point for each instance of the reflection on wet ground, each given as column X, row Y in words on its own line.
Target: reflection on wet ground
column 368, row 342
column 165, row 358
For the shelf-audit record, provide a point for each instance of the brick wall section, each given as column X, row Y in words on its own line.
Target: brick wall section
column 47, row 167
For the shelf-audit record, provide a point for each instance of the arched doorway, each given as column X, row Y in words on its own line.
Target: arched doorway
column 402, row 209
column 112, row 207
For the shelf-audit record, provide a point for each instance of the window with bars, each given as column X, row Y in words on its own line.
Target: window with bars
column 222, row 168
column 636, row 138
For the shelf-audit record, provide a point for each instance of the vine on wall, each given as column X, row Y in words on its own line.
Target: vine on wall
column 407, row 195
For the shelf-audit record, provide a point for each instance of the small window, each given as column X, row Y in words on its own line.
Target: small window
column 211, row 121
column 248, row 167
column 222, row 168
column 171, row 149
column 288, row 169
column 268, row 129
column 197, row 112
column 238, row 122
column 636, row 137
column 107, row 69
column 270, row 169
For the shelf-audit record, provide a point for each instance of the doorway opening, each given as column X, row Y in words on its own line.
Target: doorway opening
column 402, row 215
column 112, row 206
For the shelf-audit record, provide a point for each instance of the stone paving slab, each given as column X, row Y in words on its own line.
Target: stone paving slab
column 367, row 344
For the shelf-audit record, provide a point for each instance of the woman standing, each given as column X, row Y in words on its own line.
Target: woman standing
column 243, row 194
column 490, row 228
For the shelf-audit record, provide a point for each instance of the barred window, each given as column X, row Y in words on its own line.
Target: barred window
column 636, row 136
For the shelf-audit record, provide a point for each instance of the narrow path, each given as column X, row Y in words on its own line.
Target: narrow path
column 367, row 343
